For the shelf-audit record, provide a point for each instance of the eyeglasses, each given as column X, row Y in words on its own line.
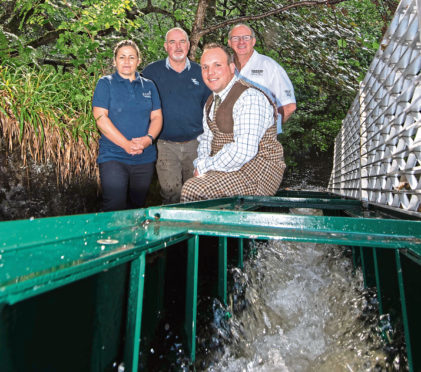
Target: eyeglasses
column 236, row 39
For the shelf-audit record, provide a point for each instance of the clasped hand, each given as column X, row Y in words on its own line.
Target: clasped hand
column 137, row 145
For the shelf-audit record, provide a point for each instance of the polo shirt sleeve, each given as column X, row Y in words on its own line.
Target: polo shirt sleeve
column 102, row 94
column 280, row 84
column 156, row 101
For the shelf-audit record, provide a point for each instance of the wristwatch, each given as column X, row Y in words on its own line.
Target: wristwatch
column 151, row 137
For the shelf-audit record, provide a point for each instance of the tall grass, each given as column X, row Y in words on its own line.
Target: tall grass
column 48, row 114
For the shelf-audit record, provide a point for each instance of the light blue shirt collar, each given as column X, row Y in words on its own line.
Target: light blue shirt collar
column 168, row 64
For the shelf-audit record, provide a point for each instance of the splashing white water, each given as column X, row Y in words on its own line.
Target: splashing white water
column 304, row 312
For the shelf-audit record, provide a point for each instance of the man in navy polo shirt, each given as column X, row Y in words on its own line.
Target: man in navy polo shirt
column 183, row 95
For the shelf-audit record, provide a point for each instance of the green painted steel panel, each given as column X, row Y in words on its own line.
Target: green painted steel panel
column 40, row 261
column 410, row 286
column 191, row 294
column 23, row 233
column 222, row 269
column 41, row 255
column 404, row 310
column 331, row 230
column 134, row 313
column 308, row 194
column 256, row 202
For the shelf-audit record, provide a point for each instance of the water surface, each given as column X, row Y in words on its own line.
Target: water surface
column 295, row 307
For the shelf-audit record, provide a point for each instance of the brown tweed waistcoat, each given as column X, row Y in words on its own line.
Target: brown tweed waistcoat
column 265, row 170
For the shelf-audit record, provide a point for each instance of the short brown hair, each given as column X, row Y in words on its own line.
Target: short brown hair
column 208, row 46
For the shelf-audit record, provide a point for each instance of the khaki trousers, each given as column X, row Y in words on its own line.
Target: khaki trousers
column 174, row 167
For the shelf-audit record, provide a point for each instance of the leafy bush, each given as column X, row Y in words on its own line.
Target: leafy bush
column 48, row 113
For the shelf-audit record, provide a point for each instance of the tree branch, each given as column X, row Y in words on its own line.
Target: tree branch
column 270, row 13
column 200, row 32
column 199, row 19
column 46, row 39
column 149, row 9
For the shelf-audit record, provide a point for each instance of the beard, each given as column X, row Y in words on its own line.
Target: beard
column 178, row 57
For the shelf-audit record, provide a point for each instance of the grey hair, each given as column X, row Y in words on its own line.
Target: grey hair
column 177, row 29
column 238, row 25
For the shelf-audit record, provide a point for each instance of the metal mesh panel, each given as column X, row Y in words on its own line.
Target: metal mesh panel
column 377, row 154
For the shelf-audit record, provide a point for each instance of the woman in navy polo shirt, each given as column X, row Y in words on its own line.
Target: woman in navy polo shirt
column 127, row 110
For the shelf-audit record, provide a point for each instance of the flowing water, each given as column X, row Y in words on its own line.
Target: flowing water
column 296, row 307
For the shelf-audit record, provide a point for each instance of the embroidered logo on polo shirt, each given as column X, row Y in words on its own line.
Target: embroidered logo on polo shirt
column 194, row 81
column 256, row 72
column 147, row 94
column 287, row 93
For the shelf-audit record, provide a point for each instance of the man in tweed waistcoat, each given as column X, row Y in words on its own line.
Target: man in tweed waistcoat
column 238, row 152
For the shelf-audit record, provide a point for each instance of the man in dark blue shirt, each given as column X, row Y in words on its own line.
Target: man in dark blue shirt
column 183, row 95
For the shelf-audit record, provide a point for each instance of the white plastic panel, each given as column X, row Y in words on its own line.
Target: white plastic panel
column 377, row 154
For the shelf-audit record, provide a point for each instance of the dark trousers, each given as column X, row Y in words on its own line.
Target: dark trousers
column 124, row 186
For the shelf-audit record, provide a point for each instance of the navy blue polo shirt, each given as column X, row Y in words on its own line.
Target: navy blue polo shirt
column 129, row 106
column 183, row 95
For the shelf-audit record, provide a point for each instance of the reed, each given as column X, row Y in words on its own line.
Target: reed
column 47, row 113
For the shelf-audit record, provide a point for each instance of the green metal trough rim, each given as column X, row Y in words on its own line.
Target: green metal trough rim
column 61, row 234
column 79, row 246
column 261, row 225
column 22, row 290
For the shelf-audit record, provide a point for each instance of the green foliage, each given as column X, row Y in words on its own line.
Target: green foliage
column 14, row 51
column 325, row 51
column 315, row 124
column 326, row 55
column 46, row 97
